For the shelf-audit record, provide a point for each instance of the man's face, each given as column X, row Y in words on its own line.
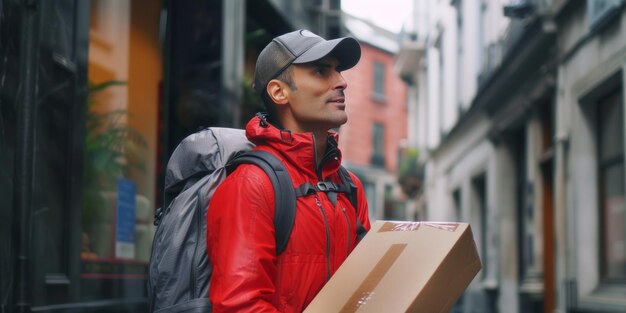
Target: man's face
column 317, row 102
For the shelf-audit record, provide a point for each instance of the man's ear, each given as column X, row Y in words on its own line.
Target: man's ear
column 277, row 91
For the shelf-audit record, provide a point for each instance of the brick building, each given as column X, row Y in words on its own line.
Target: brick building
column 377, row 124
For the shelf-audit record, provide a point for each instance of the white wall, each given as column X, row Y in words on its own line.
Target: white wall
column 578, row 205
column 468, row 153
column 464, row 156
column 432, row 97
column 449, row 92
column 436, row 21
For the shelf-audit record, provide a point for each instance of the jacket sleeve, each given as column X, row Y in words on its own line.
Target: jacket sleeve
column 241, row 244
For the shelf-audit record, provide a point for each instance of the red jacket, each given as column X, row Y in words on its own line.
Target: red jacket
column 247, row 275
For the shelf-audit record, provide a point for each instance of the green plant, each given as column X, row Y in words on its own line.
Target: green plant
column 410, row 174
column 112, row 150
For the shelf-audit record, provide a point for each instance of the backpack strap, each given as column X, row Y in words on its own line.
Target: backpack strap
column 284, row 193
column 346, row 180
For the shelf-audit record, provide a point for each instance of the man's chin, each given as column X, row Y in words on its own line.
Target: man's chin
column 339, row 121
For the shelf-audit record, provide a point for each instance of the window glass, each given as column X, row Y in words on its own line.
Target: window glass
column 378, row 153
column 611, row 127
column 379, row 78
column 8, row 143
column 614, row 234
column 611, row 131
column 600, row 11
column 124, row 74
column 48, row 133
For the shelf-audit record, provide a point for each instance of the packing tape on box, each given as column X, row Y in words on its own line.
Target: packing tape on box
column 413, row 226
column 365, row 291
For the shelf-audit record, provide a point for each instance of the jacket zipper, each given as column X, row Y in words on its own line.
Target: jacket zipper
column 345, row 214
column 318, row 172
column 319, row 205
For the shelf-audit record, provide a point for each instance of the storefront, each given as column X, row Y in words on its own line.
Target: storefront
column 94, row 96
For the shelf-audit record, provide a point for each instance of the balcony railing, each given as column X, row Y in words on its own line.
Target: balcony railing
column 495, row 52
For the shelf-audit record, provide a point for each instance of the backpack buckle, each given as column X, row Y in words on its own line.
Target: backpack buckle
column 263, row 119
column 157, row 216
column 326, row 186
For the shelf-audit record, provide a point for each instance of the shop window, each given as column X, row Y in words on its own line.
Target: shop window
column 119, row 196
column 611, row 174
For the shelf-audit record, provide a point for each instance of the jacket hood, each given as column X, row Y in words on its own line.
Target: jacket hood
column 295, row 148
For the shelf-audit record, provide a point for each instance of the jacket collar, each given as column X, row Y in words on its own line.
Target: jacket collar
column 298, row 149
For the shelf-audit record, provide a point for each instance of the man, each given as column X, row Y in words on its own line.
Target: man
column 298, row 76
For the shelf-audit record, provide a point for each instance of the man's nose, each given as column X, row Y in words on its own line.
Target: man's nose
column 340, row 82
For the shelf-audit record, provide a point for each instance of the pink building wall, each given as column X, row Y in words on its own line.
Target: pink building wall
column 355, row 141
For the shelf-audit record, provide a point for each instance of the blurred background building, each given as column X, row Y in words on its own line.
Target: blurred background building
column 517, row 115
column 376, row 130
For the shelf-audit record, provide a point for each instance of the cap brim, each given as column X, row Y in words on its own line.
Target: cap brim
column 346, row 50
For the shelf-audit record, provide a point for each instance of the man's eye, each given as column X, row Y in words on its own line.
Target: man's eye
column 321, row 70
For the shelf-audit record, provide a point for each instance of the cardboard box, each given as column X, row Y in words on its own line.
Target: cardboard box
column 403, row 267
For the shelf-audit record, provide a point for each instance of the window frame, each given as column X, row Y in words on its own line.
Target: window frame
column 586, row 288
column 603, row 165
column 378, row 145
column 378, row 82
column 599, row 16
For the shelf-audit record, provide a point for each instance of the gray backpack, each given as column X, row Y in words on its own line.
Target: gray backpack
column 179, row 270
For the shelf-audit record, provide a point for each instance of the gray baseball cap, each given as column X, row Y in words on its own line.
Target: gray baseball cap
column 301, row 46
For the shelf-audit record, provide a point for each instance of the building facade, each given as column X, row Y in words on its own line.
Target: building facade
column 375, row 134
column 518, row 110
column 94, row 97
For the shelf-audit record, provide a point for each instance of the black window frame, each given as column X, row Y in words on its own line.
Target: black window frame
column 603, row 163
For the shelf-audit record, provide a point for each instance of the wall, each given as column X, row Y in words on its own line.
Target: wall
column 355, row 139
column 595, row 62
